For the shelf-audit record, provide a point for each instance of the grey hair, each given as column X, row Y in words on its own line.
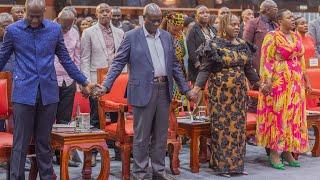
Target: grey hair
column 15, row 7
column 266, row 4
column 5, row 17
column 151, row 9
column 66, row 14
column 39, row 3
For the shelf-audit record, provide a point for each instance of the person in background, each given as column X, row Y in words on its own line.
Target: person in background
column 116, row 17
column 281, row 122
column 226, row 65
column 187, row 25
column 17, row 12
column 35, row 92
column 307, row 40
column 67, row 86
column 223, row 11
column 173, row 23
column 246, row 16
column 127, row 26
column 82, row 25
column 5, row 20
column 212, row 20
column 314, row 31
column 99, row 44
column 254, row 33
column 200, row 32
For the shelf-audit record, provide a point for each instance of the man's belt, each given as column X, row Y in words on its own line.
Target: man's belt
column 160, row 79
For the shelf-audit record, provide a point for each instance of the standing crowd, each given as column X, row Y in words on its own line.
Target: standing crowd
column 225, row 54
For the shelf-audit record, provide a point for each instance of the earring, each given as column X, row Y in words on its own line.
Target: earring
column 224, row 34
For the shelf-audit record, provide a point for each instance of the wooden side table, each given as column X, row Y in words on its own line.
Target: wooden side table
column 313, row 120
column 195, row 130
column 86, row 142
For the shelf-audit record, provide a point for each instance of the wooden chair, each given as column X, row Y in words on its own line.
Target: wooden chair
column 122, row 130
column 6, row 115
column 313, row 105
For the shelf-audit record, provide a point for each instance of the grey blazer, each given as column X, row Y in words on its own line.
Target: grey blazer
column 94, row 51
column 314, row 31
column 134, row 51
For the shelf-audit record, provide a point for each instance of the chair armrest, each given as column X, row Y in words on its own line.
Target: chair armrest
column 315, row 92
column 111, row 106
column 254, row 94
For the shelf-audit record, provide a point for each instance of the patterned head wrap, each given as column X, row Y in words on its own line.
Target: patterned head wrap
column 176, row 19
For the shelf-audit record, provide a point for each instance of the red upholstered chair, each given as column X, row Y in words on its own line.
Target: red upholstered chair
column 313, row 97
column 6, row 138
column 122, row 131
column 83, row 103
column 251, row 121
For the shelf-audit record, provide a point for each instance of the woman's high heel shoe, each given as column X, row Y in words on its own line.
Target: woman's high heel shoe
column 292, row 163
column 279, row 166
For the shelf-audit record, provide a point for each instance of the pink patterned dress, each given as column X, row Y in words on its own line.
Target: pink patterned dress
column 281, row 123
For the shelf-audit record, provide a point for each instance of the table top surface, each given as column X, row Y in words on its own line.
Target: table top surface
column 92, row 132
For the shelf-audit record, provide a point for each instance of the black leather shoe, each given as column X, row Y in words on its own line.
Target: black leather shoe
column 162, row 176
column 94, row 160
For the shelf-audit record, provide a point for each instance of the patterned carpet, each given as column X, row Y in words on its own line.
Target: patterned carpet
column 256, row 166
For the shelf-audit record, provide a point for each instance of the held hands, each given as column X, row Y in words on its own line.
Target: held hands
column 193, row 95
column 93, row 90
column 98, row 91
column 86, row 90
column 266, row 88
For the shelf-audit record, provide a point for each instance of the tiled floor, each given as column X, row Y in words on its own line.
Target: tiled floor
column 256, row 166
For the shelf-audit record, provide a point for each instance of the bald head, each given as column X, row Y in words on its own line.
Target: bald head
column 269, row 8
column 34, row 12
column 152, row 9
column 103, row 14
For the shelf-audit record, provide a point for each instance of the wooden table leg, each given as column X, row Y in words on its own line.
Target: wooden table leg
column 86, row 169
column 173, row 150
column 125, row 159
column 203, row 149
column 105, row 162
column 316, row 148
column 194, row 152
column 64, row 160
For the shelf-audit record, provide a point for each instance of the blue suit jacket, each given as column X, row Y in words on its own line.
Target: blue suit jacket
column 33, row 67
column 134, row 51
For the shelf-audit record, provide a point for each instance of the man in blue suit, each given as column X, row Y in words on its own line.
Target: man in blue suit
column 152, row 63
column 35, row 42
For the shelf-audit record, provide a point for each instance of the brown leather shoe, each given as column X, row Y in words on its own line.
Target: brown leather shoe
column 162, row 176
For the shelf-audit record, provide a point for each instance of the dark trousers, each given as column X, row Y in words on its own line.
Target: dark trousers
column 65, row 105
column 94, row 116
column 2, row 125
column 150, row 127
column 36, row 120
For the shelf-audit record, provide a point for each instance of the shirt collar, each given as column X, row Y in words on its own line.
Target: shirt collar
column 147, row 34
column 103, row 28
column 264, row 18
column 27, row 25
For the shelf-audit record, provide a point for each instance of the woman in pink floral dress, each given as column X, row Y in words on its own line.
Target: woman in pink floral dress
column 281, row 124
